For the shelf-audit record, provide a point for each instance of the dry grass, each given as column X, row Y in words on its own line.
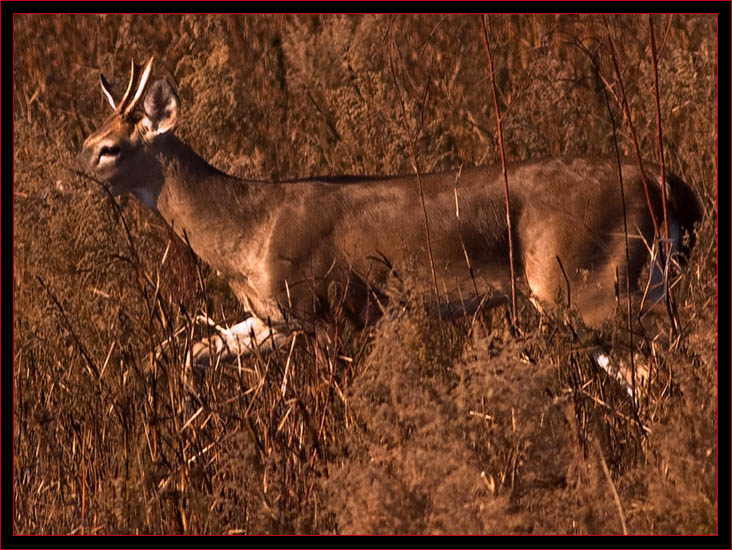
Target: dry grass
column 461, row 426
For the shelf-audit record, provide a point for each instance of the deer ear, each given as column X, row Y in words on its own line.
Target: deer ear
column 107, row 90
column 161, row 107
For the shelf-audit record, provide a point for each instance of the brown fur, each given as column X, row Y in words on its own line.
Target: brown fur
column 283, row 245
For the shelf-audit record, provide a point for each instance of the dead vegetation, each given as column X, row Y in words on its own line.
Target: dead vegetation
column 414, row 425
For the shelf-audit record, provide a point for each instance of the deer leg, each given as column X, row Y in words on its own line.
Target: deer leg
column 239, row 340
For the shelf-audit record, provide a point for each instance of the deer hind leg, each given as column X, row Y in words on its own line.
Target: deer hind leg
column 570, row 272
column 239, row 340
column 540, row 249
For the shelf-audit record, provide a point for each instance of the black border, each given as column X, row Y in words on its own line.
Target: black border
column 8, row 540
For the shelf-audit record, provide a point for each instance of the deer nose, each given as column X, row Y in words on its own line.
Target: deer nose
column 82, row 159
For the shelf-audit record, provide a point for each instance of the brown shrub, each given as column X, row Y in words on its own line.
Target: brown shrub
column 412, row 426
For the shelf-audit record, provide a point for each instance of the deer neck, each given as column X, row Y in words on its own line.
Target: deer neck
column 214, row 212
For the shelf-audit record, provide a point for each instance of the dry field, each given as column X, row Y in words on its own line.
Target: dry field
column 412, row 425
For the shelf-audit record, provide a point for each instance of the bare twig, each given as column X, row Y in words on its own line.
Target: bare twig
column 89, row 361
column 419, row 182
column 462, row 242
column 656, row 229
column 661, row 161
column 627, row 251
column 659, row 135
column 626, row 110
column 118, row 212
column 566, row 280
column 612, row 487
column 665, row 34
column 486, row 25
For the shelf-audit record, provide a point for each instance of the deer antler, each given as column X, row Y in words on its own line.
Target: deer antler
column 127, row 104
column 133, row 77
column 126, row 110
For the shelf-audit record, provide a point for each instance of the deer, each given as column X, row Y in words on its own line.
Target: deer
column 286, row 247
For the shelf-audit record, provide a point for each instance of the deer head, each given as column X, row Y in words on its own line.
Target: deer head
column 121, row 153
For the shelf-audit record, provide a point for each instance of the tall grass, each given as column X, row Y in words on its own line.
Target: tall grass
column 413, row 425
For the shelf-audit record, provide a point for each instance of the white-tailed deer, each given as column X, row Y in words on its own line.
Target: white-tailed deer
column 285, row 247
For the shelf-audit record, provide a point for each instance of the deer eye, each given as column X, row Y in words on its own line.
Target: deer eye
column 108, row 154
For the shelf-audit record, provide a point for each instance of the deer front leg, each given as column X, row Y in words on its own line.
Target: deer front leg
column 239, row 340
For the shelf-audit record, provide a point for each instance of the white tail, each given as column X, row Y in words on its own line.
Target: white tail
column 285, row 247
